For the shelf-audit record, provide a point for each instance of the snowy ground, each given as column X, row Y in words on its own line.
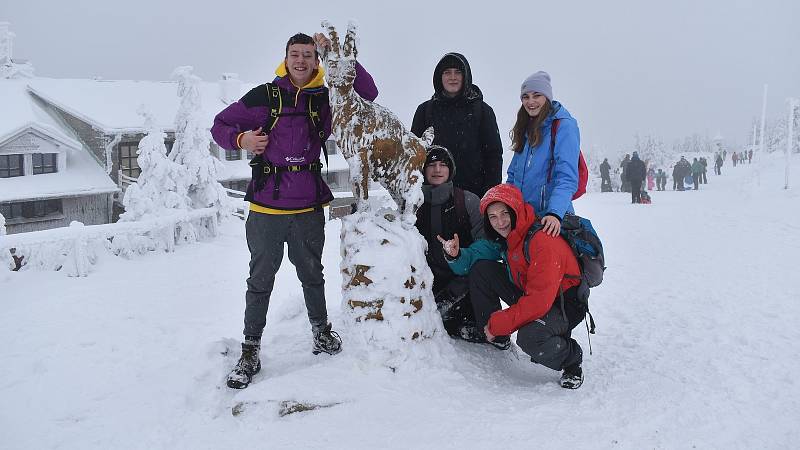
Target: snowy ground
column 696, row 346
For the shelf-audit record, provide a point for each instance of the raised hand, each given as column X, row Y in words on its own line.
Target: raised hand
column 322, row 41
column 254, row 141
column 450, row 247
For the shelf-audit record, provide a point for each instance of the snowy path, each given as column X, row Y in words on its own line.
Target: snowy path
column 695, row 347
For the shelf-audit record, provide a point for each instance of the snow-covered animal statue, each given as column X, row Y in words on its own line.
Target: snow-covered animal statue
column 374, row 142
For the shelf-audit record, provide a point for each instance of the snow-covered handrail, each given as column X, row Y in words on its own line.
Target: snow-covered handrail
column 76, row 247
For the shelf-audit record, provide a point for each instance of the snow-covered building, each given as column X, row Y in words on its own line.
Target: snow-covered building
column 47, row 179
column 68, row 147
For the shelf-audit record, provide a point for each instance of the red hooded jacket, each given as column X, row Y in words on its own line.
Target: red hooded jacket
column 551, row 259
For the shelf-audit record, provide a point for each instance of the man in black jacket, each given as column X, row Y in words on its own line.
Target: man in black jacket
column 605, row 175
column 464, row 124
column 636, row 174
column 448, row 211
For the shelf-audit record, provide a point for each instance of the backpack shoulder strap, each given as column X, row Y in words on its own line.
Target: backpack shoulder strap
column 461, row 207
column 275, row 104
column 553, row 131
column 315, row 103
column 535, row 226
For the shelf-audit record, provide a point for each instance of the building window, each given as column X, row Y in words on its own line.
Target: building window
column 127, row 159
column 44, row 163
column 11, row 166
column 31, row 210
column 233, row 155
column 238, row 185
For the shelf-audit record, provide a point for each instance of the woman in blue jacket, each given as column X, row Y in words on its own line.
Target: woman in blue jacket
column 545, row 164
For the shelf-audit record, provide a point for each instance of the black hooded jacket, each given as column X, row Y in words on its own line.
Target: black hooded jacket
column 466, row 126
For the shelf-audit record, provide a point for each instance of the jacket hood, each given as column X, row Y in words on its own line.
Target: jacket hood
column 511, row 196
column 469, row 91
column 317, row 81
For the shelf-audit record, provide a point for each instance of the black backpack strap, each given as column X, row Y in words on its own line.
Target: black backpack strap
column 314, row 107
column 535, row 226
column 553, row 131
column 461, row 209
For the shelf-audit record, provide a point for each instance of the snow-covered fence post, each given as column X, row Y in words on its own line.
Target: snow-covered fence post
column 79, row 258
column 386, row 285
column 5, row 251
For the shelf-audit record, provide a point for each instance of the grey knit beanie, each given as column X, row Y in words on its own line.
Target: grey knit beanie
column 538, row 82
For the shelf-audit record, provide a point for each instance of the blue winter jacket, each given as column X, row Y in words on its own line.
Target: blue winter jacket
column 528, row 168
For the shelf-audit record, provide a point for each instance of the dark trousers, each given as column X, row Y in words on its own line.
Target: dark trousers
column 636, row 191
column 696, row 180
column 703, row 177
column 304, row 235
column 547, row 340
column 718, row 170
column 605, row 184
column 454, row 305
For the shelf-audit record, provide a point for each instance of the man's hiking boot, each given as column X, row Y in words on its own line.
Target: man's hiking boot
column 572, row 378
column 501, row 342
column 327, row 341
column 249, row 364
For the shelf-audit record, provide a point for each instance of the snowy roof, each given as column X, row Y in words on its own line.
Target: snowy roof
column 82, row 176
column 111, row 105
column 19, row 111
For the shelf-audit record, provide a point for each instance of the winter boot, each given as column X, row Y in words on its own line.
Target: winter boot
column 572, row 378
column 249, row 364
column 326, row 340
column 502, row 342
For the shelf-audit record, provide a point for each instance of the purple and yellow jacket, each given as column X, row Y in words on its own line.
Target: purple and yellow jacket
column 292, row 141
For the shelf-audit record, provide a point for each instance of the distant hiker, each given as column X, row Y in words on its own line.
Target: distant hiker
column 541, row 294
column 661, row 180
column 287, row 192
column 449, row 211
column 703, row 176
column 734, row 158
column 683, row 169
column 697, row 171
column 636, row 176
column 626, row 184
column 605, row 176
column 545, row 166
column 718, row 164
column 750, row 156
column 464, row 124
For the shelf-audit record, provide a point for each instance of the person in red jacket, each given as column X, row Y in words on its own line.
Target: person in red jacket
column 541, row 294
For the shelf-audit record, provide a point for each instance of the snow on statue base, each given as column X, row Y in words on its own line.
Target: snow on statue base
column 386, row 283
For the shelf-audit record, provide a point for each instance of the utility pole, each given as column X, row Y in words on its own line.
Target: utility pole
column 793, row 102
column 763, row 122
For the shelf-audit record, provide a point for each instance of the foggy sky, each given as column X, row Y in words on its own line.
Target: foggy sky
column 668, row 69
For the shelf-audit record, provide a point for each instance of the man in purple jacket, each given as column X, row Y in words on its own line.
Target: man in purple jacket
column 285, row 124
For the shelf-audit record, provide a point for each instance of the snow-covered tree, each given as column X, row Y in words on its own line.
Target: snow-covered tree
column 777, row 132
column 192, row 143
column 162, row 184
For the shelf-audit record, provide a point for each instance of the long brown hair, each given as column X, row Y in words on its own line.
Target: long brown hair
column 527, row 126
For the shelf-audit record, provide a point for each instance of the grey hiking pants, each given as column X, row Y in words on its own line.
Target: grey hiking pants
column 547, row 340
column 304, row 235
